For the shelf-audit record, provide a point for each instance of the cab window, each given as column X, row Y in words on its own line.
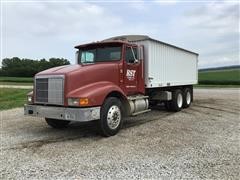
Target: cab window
column 88, row 56
column 129, row 54
column 100, row 54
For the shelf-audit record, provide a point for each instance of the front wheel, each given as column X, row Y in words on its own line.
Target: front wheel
column 57, row 124
column 111, row 117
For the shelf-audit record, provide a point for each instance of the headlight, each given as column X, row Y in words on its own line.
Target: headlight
column 73, row 101
column 77, row 101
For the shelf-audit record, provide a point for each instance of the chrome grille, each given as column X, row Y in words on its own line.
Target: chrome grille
column 49, row 90
column 42, row 90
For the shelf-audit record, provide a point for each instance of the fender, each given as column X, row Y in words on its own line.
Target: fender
column 95, row 92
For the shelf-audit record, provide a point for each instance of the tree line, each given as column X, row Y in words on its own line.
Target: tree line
column 16, row 67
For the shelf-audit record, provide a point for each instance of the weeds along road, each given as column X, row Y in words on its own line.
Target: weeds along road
column 199, row 142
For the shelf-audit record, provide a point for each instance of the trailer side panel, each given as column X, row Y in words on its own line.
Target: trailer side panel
column 167, row 65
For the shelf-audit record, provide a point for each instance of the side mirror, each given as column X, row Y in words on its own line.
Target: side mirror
column 135, row 60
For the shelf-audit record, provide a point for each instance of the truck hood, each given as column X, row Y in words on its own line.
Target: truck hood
column 60, row 70
column 80, row 80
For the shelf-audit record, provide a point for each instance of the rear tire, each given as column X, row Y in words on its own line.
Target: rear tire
column 177, row 100
column 187, row 97
column 57, row 124
column 111, row 117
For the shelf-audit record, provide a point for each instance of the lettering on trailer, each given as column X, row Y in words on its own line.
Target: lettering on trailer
column 131, row 74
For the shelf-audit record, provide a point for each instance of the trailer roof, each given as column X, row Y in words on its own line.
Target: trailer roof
column 135, row 38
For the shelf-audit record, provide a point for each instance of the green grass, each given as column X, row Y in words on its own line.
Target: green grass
column 220, row 77
column 21, row 81
column 16, row 79
column 16, row 83
column 215, row 86
column 11, row 98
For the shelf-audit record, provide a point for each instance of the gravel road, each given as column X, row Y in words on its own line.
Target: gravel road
column 201, row 142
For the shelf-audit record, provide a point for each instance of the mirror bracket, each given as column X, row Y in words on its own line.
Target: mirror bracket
column 136, row 61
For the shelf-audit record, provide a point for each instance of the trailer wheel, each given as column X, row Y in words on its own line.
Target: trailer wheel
column 187, row 97
column 58, row 124
column 177, row 100
column 111, row 117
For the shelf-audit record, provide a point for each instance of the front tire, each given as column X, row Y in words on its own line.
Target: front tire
column 111, row 117
column 57, row 124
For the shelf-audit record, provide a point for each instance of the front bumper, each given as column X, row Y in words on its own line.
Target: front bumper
column 63, row 113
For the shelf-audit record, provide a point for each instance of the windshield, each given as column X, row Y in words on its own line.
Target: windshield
column 99, row 54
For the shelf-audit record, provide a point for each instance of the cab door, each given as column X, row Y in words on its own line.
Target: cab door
column 131, row 70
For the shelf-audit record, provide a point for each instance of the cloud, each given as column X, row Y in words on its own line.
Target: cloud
column 212, row 29
column 51, row 19
column 217, row 61
column 166, row 2
column 218, row 17
column 42, row 30
column 138, row 5
column 38, row 27
column 37, row 30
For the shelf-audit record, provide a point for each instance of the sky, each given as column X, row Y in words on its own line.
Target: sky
column 45, row 29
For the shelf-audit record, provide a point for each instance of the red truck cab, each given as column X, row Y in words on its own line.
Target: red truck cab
column 106, row 74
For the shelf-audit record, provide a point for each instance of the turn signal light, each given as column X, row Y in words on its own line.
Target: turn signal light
column 83, row 101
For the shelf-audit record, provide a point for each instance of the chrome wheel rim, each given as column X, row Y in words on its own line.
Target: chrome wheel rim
column 188, row 98
column 113, row 117
column 179, row 100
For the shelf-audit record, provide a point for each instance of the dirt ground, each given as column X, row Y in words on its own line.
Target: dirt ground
column 201, row 142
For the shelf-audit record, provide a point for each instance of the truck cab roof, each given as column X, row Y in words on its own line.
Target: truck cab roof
column 109, row 42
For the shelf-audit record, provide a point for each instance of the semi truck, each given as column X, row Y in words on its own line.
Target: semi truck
column 112, row 79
